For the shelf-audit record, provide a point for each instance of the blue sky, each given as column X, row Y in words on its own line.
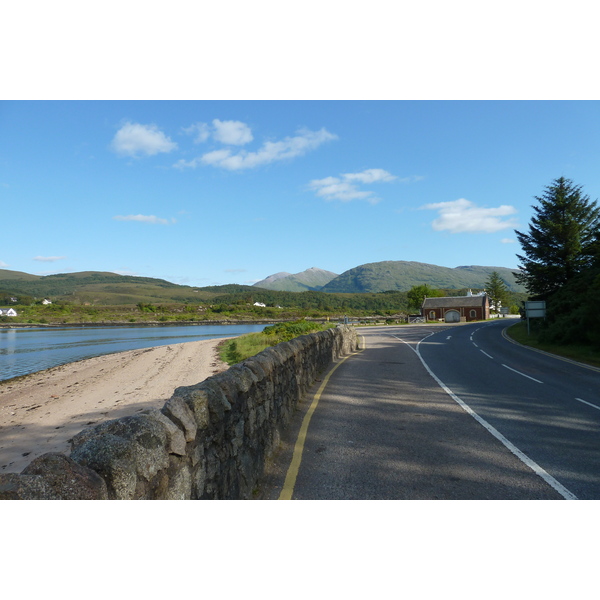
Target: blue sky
column 284, row 138
column 214, row 192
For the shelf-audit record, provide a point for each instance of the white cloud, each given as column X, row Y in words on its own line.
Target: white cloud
column 289, row 147
column 49, row 258
column 134, row 138
column 507, row 241
column 345, row 187
column 216, row 158
column 3, row 264
column 412, row 179
column 369, row 176
column 201, row 130
column 333, row 188
column 189, row 164
column 463, row 216
column 232, row 132
column 144, row 219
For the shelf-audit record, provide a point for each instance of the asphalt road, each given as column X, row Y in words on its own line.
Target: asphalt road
column 546, row 406
column 445, row 412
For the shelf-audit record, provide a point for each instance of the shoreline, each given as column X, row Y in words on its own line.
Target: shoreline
column 140, row 323
column 40, row 412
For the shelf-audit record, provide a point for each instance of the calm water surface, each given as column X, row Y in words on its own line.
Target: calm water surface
column 24, row 351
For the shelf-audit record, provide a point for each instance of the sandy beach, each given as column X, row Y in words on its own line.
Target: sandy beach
column 39, row 413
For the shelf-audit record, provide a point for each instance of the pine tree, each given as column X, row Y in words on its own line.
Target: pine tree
column 496, row 290
column 562, row 239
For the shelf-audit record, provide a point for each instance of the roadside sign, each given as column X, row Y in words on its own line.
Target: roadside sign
column 534, row 309
column 535, row 304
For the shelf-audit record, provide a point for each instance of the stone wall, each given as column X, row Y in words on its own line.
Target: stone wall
column 209, row 440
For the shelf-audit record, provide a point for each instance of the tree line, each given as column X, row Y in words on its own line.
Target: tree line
column 560, row 263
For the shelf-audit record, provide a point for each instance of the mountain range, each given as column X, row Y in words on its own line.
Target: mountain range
column 390, row 275
column 96, row 287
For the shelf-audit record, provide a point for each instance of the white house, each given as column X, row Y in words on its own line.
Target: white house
column 45, row 301
column 260, row 304
column 8, row 312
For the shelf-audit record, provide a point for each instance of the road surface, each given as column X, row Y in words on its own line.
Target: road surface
column 444, row 412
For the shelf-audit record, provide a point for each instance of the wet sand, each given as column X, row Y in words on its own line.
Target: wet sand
column 39, row 413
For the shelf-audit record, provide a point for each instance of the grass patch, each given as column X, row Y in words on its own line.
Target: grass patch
column 243, row 347
column 581, row 353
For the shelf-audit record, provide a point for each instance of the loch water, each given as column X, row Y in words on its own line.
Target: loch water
column 28, row 350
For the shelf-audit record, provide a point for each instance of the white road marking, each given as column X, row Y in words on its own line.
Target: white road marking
column 559, row 487
column 588, row 403
column 488, row 355
column 519, row 372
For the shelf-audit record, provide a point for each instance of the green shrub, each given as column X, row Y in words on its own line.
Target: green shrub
column 245, row 346
column 287, row 331
column 231, row 354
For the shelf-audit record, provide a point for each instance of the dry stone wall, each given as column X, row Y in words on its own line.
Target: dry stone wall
column 209, row 440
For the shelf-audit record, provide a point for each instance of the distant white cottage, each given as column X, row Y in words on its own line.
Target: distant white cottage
column 8, row 312
column 260, row 304
column 45, row 301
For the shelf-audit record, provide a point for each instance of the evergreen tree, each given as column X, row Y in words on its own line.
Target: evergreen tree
column 562, row 238
column 496, row 290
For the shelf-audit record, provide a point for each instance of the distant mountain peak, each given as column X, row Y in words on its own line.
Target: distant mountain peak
column 310, row 279
column 275, row 277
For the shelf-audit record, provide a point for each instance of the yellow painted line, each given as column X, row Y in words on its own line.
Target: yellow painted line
column 290, row 479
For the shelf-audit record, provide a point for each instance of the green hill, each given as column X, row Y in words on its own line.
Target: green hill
column 403, row 275
column 6, row 275
column 96, row 287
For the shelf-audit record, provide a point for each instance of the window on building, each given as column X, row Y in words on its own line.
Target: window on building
column 473, row 314
column 432, row 315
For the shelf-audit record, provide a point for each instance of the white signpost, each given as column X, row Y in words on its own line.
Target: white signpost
column 535, row 309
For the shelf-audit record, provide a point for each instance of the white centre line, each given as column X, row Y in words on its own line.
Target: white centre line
column 488, row 355
column 588, row 403
column 519, row 372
